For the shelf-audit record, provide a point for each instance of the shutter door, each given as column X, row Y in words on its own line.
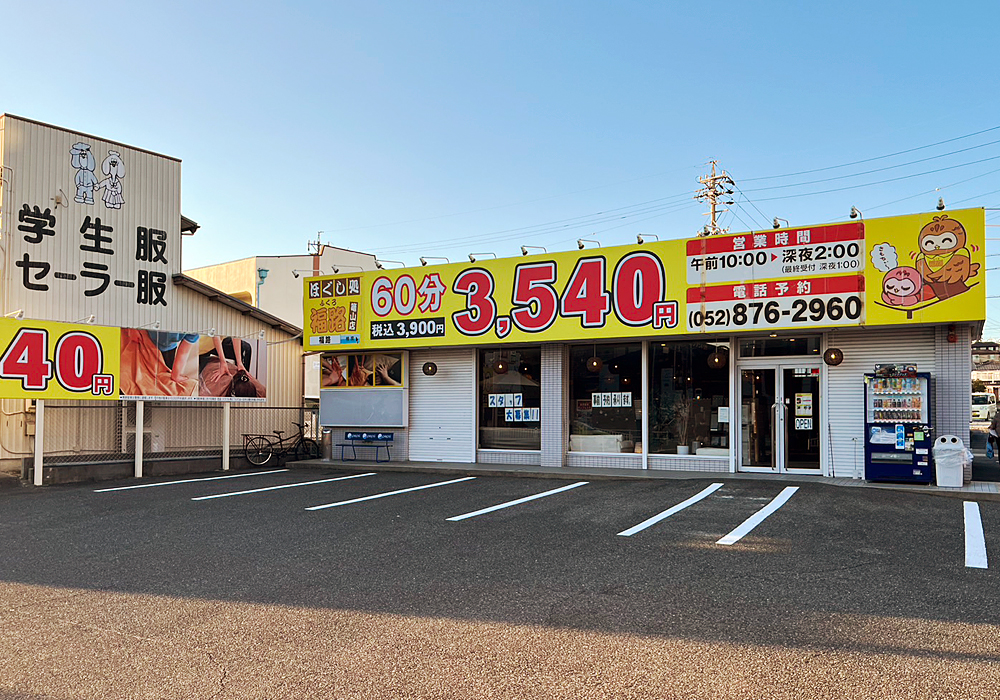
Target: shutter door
column 845, row 385
column 443, row 407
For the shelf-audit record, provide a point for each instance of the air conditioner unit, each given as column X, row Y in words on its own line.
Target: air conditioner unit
column 151, row 441
column 128, row 441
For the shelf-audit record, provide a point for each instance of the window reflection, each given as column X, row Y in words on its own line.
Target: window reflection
column 689, row 397
column 510, row 399
column 605, row 398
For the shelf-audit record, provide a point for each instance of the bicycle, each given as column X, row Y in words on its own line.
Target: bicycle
column 259, row 449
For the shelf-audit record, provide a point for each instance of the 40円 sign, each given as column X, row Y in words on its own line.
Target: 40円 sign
column 46, row 360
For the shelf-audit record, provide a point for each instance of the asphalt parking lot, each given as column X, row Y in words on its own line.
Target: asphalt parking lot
column 309, row 583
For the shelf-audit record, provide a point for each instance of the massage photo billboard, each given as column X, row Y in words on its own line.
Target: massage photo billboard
column 51, row 360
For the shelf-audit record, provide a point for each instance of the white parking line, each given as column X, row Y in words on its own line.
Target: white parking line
column 189, row 481
column 282, row 486
column 975, row 540
column 757, row 518
column 389, row 493
column 519, row 501
column 670, row 511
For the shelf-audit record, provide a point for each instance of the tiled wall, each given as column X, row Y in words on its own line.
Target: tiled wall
column 953, row 382
column 530, row 458
column 694, row 464
column 555, row 404
column 608, row 459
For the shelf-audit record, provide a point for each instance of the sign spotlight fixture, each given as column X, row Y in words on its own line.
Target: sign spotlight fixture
column 526, row 248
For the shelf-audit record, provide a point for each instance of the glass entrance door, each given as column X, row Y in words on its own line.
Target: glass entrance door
column 779, row 418
column 800, row 391
column 757, row 419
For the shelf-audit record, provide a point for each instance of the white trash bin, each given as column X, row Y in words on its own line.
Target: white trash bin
column 949, row 461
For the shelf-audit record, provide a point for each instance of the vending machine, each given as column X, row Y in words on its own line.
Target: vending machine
column 898, row 436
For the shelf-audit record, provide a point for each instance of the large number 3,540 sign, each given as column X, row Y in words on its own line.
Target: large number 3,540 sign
column 637, row 296
column 77, row 364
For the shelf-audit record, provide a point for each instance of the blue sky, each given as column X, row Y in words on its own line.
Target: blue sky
column 440, row 129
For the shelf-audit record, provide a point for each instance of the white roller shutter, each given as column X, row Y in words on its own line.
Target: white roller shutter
column 443, row 407
column 863, row 349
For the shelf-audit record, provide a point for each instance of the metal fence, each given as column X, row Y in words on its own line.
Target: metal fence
column 92, row 432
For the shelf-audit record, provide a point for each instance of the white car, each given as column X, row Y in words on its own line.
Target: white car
column 984, row 406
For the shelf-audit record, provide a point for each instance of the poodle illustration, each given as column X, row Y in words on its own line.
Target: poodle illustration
column 113, row 168
column 944, row 261
column 83, row 161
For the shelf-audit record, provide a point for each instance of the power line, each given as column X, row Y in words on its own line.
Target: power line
column 630, row 223
column 504, row 206
column 876, row 170
column 571, row 222
column 879, row 182
column 984, row 194
column 663, row 205
column 869, row 160
column 751, row 202
column 526, row 233
column 943, row 187
column 749, row 228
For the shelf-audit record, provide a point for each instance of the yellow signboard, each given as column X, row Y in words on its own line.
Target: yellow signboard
column 51, row 360
column 47, row 360
column 927, row 268
column 923, row 268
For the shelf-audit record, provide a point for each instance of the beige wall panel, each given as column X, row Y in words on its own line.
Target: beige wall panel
column 238, row 277
column 281, row 292
column 284, row 384
column 81, row 427
column 14, row 443
column 185, row 427
column 39, row 160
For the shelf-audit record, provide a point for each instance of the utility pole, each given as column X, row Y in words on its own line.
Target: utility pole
column 316, row 247
column 717, row 189
column 316, row 250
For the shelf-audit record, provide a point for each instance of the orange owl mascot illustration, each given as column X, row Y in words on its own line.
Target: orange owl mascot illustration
column 944, row 261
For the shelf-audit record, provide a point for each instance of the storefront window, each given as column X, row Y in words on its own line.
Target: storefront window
column 689, row 397
column 510, row 399
column 605, row 398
